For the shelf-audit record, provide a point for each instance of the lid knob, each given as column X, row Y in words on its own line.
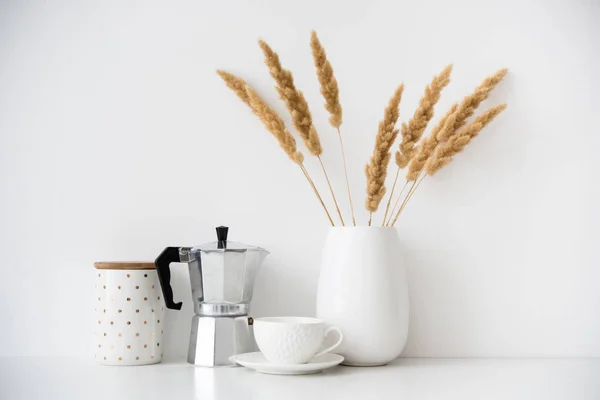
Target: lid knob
column 222, row 236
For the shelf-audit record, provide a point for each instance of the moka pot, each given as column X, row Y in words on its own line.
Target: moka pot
column 222, row 275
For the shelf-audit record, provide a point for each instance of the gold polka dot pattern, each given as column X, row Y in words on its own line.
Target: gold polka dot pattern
column 129, row 310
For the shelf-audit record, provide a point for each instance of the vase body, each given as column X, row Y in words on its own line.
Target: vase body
column 363, row 290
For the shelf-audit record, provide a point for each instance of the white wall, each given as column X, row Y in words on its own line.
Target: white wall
column 117, row 139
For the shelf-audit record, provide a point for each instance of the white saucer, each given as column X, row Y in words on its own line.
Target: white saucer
column 258, row 362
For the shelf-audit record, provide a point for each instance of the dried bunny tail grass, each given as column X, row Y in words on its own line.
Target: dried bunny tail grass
column 489, row 115
column 238, row 85
column 429, row 144
column 287, row 142
column 331, row 94
column 298, row 108
column 376, row 170
column 329, row 85
column 443, row 132
column 422, row 161
column 267, row 115
column 443, row 154
column 447, row 139
column 294, row 100
column 275, row 125
column 413, row 130
column 472, row 101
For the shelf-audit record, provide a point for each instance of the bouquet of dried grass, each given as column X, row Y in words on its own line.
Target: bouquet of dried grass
column 420, row 155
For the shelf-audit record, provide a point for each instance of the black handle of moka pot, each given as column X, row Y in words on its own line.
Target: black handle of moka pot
column 163, row 268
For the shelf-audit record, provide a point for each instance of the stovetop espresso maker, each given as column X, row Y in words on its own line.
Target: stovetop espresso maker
column 222, row 276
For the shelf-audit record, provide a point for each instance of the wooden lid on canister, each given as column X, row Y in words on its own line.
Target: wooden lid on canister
column 124, row 265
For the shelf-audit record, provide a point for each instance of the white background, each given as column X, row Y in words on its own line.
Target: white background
column 117, row 139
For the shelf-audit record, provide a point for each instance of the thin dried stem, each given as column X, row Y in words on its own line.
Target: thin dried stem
column 337, row 207
column 370, row 217
column 396, row 204
column 387, row 207
column 408, row 198
column 346, row 175
column 404, row 202
column 312, row 184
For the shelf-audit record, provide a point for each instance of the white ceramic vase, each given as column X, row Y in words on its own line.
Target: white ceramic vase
column 363, row 290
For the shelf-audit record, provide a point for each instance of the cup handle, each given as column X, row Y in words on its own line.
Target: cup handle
column 330, row 348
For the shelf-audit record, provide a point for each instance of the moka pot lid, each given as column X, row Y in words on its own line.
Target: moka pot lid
column 222, row 245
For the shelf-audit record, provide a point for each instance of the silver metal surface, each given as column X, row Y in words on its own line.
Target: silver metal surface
column 223, row 310
column 196, row 281
column 223, row 277
column 214, row 340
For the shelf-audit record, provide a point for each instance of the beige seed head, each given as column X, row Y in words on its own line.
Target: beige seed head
column 429, row 144
column 489, row 115
column 275, row 125
column 413, row 130
column 461, row 113
column 472, row 101
column 329, row 85
column 444, row 153
column 376, row 170
column 294, row 100
column 238, row 85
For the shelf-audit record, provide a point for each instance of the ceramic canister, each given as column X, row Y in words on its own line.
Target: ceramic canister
column 129, row 313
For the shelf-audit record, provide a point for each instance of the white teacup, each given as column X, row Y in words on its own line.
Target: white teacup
column 292, row 340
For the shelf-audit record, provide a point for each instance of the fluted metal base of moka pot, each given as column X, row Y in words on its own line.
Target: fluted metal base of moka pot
column 214, row 340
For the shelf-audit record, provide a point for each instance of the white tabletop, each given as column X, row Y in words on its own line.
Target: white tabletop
column 464, row 379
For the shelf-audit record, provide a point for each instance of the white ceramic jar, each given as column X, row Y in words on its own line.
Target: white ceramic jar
column 363, row 290
column 129, row 313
